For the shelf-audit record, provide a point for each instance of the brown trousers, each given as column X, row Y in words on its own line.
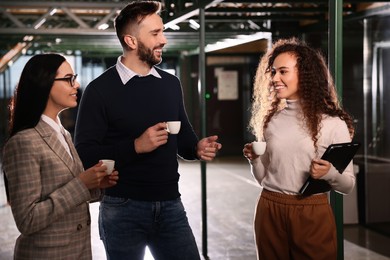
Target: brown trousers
column 295, row 227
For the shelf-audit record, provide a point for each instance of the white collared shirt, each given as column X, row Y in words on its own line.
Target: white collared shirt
column 126, row 74
column 59, row 129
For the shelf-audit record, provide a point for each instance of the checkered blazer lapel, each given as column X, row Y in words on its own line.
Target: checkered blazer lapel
column 50, row 137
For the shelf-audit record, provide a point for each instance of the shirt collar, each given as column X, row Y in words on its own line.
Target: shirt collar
column 56, row 126
column 127, row 74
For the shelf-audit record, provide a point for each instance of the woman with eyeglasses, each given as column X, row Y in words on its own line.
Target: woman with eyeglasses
column 49, row 190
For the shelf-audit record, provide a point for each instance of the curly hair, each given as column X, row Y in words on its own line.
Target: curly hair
column 316, row 90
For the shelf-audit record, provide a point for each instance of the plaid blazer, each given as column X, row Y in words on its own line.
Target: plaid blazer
column 49, row 204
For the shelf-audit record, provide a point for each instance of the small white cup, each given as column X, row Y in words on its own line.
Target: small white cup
column 173, row 127
column 110, row 165
column 259, row 147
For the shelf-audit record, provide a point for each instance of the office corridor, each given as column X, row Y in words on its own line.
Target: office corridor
column 231, row 198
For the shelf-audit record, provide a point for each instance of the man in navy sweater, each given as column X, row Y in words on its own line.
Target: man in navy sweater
column 122, row 116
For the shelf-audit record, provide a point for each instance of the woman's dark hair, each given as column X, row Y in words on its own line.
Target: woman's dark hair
column 316, row 90
column 133, row 14
column 32, row 92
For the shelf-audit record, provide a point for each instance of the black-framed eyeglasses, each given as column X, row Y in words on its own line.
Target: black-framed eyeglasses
column 71, row 79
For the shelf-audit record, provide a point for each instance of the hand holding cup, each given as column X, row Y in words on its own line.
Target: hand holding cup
column 109, row 164
column 258, row 147
column 173, row 127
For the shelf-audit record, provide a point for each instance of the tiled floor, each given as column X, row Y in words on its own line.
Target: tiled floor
column 231, row 198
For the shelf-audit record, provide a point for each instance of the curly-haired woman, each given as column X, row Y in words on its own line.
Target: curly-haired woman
column 297, row 113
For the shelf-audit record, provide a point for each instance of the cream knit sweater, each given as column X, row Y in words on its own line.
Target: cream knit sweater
column 285, row 165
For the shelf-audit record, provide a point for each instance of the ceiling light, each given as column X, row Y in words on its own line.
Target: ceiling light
column 240, row 39
column 174, row 27
column 40, row 23
column 28, row 38
column 253, row 25
column 193, row 27
column 103, row 26
column 53, row 11
column 194, row 24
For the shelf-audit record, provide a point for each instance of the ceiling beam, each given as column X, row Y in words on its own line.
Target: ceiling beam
column 382, row 10
column 75, row 18
column 105, row 20
column 12, row 18
column 189, row 12
column 69, row 4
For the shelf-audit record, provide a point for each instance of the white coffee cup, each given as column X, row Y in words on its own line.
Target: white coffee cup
column 259, row 147
column 110, row 165
column 173, row 127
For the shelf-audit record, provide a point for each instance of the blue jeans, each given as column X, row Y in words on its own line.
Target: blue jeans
column 126, row 226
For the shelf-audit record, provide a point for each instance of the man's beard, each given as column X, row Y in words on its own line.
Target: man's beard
column 147, row 55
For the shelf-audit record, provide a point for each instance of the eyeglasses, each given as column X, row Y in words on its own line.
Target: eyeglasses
column 71, row 79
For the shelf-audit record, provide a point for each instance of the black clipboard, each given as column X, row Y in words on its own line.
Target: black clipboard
column 340, row 155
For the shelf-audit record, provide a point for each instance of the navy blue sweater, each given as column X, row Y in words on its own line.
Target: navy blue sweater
column 112, row 115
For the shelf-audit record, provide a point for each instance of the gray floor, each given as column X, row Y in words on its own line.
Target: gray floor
column 231, row 198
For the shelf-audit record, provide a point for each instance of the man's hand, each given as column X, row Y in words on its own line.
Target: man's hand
column 152, row 138
column 207, row 148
